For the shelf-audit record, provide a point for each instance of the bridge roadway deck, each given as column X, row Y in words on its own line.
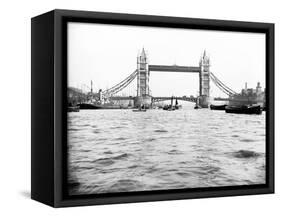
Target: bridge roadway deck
column 189, row 99
column 174, row 68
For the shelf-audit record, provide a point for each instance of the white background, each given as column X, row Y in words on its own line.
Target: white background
column 15, row 107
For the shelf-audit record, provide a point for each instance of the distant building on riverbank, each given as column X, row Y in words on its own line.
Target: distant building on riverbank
column 75, row 96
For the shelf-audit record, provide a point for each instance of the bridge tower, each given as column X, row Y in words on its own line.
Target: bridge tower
column 204, row 81
column 143, row 92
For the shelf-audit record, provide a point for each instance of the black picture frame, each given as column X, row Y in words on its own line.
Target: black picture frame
column 49, row 106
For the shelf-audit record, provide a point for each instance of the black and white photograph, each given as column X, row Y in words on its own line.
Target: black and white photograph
column 158, row 108
column 140, row 108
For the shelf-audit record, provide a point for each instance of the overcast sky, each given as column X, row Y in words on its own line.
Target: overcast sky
column 107, row 54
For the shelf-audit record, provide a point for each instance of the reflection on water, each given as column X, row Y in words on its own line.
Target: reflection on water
column 121, row 150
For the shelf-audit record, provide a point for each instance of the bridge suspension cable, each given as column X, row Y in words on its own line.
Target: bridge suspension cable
column 121, row 85
column 221, row 85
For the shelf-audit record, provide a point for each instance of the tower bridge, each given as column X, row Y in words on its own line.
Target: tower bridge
column 142, row 75
column 144, row 69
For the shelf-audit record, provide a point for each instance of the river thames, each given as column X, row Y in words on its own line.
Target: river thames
column 121, row 151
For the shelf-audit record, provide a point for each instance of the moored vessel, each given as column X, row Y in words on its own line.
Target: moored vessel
column 172, row 107
column 249, row 96
column 73, row 108
column 244, row 109
column 169, row 108
column 98, row 106
column 139, row 110
column 218, row 107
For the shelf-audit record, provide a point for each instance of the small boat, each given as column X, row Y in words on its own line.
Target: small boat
column 197, row 106
column 244, row 109
column 177, row 106
column 169, row 108
column 166, row 107
column 217, row 107
column 139, row 110
column 73, row 108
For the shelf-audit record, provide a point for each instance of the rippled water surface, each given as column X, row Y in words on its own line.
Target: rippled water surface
column 121, row 150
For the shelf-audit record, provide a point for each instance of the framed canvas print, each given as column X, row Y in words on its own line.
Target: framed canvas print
column 133, row 108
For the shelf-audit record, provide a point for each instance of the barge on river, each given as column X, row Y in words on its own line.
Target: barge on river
column 217, row 107
column 99, row 106
column 244, row 109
